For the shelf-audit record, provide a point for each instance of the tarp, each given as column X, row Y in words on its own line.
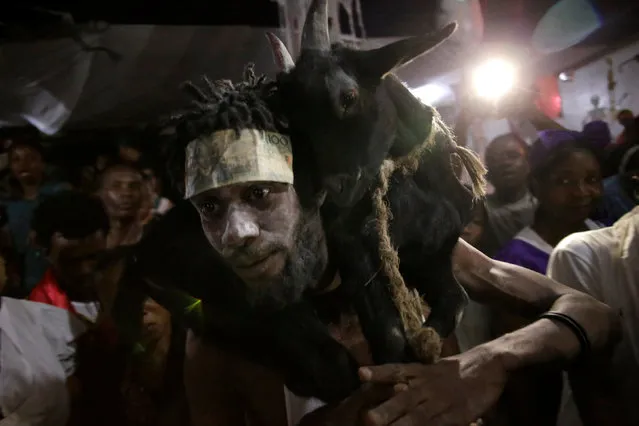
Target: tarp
column 53, row 83
column 56, row 83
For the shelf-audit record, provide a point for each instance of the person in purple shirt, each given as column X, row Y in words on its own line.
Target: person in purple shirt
column 565, row 177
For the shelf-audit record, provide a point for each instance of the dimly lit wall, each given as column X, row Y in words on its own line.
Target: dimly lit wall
column 592, row 80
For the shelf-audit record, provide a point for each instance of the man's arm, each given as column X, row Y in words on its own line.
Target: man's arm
column 462, row 388
column 210, row 391
column 530, row 294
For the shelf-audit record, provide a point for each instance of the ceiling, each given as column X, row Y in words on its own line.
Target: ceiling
column 174, row 41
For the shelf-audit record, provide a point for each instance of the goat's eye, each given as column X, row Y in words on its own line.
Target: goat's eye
column 348, row 98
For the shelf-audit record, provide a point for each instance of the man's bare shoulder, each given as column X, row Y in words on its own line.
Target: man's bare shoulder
column 223, row 386
column 211, row 358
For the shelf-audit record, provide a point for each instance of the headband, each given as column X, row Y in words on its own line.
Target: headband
column 226, row 158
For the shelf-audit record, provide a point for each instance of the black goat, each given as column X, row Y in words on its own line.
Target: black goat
column 350, row 116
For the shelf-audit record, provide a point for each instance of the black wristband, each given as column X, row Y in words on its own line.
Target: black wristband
column 574, row 326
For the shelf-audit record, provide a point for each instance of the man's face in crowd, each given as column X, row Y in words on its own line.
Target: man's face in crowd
column 27, row 165
column 507, row 164
column 121, row 192
column 74, row 262
column 260, row 230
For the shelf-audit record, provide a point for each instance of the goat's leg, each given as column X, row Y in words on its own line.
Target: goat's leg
column 447, row 300
column 381, row 323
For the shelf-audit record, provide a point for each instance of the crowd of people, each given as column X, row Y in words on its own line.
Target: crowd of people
column 563, row 206
column 54, row 236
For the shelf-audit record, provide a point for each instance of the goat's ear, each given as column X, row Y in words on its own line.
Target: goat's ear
column 378, row 62
column 281, row 55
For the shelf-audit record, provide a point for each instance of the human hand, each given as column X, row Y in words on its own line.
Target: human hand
column 454, row 391
column 350, row 411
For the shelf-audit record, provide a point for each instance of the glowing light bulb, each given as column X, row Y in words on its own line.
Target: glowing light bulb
column 494, row 78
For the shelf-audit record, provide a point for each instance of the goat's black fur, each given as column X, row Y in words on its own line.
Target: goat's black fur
column 350, row 118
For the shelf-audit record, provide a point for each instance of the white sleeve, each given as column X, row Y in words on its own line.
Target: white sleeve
column 62, row 328
column 573, row 264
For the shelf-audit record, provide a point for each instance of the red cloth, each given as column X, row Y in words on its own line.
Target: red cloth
column 48, row 291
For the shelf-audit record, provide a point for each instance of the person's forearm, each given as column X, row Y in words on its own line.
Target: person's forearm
column 527, row 293
column 546, row 340
column 541, row 342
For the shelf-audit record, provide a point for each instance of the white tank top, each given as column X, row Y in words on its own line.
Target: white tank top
column 297, row 407
column 36, row 358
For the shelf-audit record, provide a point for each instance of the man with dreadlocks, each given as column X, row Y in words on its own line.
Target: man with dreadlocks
column 233, row 154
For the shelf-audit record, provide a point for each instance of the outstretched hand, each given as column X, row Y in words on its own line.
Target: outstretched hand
column 454, row 391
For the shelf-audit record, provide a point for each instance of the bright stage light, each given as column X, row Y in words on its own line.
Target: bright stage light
column 494, row 78
column 433, row 93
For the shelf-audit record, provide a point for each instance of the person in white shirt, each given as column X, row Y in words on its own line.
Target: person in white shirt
column 37, row 359
column 603, row 263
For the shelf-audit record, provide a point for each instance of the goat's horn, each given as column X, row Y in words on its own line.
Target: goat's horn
column 282, row 57
column 315, row 34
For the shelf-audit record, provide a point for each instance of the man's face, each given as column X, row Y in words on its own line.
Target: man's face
column 507, row 165
column 27, row 165
column 121, row 192
column 259, row 229
column 74, row 262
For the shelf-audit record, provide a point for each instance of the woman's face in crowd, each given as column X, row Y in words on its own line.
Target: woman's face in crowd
column 572, row 188
column 27, row 165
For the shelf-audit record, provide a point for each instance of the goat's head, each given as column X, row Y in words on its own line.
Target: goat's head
column 331, row 97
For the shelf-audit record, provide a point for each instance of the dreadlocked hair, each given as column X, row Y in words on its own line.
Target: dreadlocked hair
column 219, row 105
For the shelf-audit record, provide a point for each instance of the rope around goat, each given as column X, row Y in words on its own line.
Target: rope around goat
column 425, row 341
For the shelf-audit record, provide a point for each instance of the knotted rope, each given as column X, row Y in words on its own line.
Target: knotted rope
column 425, row 341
